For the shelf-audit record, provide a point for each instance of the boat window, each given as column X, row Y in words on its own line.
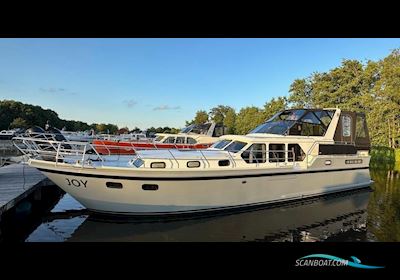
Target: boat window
column 279, row 127
column 290, row 115
column 114, row 185
column 219, row 130
column 235, row 146
column 256, row 153
column 187, row 129
column 159, row 138
column 180, row 140
column 170, row 140
column 276, row 152
column 310, row 118
column 157, row 165
column 361, row 131
column 149, row 187
column 296, row 151
column 221, row 144
column 197, row 128
column 324, row 117
column 309, row 129
column 190, row 140
column 193, row 164
column 223, row 162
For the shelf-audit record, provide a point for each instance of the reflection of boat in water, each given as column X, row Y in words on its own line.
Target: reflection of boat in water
column 307, row 220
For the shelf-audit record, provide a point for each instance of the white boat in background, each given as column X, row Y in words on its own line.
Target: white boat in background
column 296, row 154
column 7, row 134
column 80, row 136
column 207, row 133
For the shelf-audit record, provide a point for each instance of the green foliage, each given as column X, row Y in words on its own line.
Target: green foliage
column 14, row 114
column 274, row 106
column 19, row 123
column 373, row 88
column 201, row 117
column 248, row 119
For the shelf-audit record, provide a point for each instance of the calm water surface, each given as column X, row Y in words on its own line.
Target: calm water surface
column 369, row 214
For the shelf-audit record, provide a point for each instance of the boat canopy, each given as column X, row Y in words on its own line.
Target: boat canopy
column 304, row 122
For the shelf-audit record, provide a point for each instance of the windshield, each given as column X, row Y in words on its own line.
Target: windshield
column 297, row 122
column 220, row 144
column 197, row 128
column 280, row 127
column 287, row 115
column 159, row 138
column 235, row 146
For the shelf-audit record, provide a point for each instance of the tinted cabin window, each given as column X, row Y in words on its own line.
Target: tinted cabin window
column 170, row 140
column 256, row 153
column 310, row 118
column 180, row 140
column 324, row 117
column 219, row 131
column 360, row 127
column 221, row 144
column 309, row 129
column 276, row 152
column 235, row 146
column 191, row 140
column 296, row 151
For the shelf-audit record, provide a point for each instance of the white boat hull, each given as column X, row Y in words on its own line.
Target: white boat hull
column 188, row 194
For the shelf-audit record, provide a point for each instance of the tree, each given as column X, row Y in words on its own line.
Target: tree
column 248, row 119
column 19, row 123
column 230, row 121
column 274, row 106
column 217, row 114
column 301, row 93
column 201, row 117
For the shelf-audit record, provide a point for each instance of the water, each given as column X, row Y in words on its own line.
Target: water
column 369, row 214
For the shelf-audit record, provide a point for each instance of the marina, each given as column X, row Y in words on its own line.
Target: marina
column 199, row 140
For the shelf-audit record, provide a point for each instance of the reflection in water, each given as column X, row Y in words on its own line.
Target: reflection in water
column 384, row 206
column 361, row 215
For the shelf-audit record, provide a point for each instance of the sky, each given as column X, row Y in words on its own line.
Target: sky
column 163, row 82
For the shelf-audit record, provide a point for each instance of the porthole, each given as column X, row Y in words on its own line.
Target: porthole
column 193, row 164
column 157, row 165
column 150, row 187
column 224, row 162
column 328, row 162
column 114, row 185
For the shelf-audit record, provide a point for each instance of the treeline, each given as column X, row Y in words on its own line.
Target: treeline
column 14, row 114
column 372, row 87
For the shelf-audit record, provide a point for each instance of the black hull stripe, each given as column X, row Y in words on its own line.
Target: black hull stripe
column 195, row 178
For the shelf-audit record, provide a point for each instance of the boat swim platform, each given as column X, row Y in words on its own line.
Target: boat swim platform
column 17, row 181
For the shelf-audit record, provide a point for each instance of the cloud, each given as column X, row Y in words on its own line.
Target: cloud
column 166, row 107
column 130, row 103
column 53, row 90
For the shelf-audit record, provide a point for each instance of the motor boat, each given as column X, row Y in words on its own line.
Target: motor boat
column 196, row 136
column 7, row 134
column 296, row 154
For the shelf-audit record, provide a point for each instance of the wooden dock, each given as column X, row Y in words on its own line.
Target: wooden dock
column 17, row 181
